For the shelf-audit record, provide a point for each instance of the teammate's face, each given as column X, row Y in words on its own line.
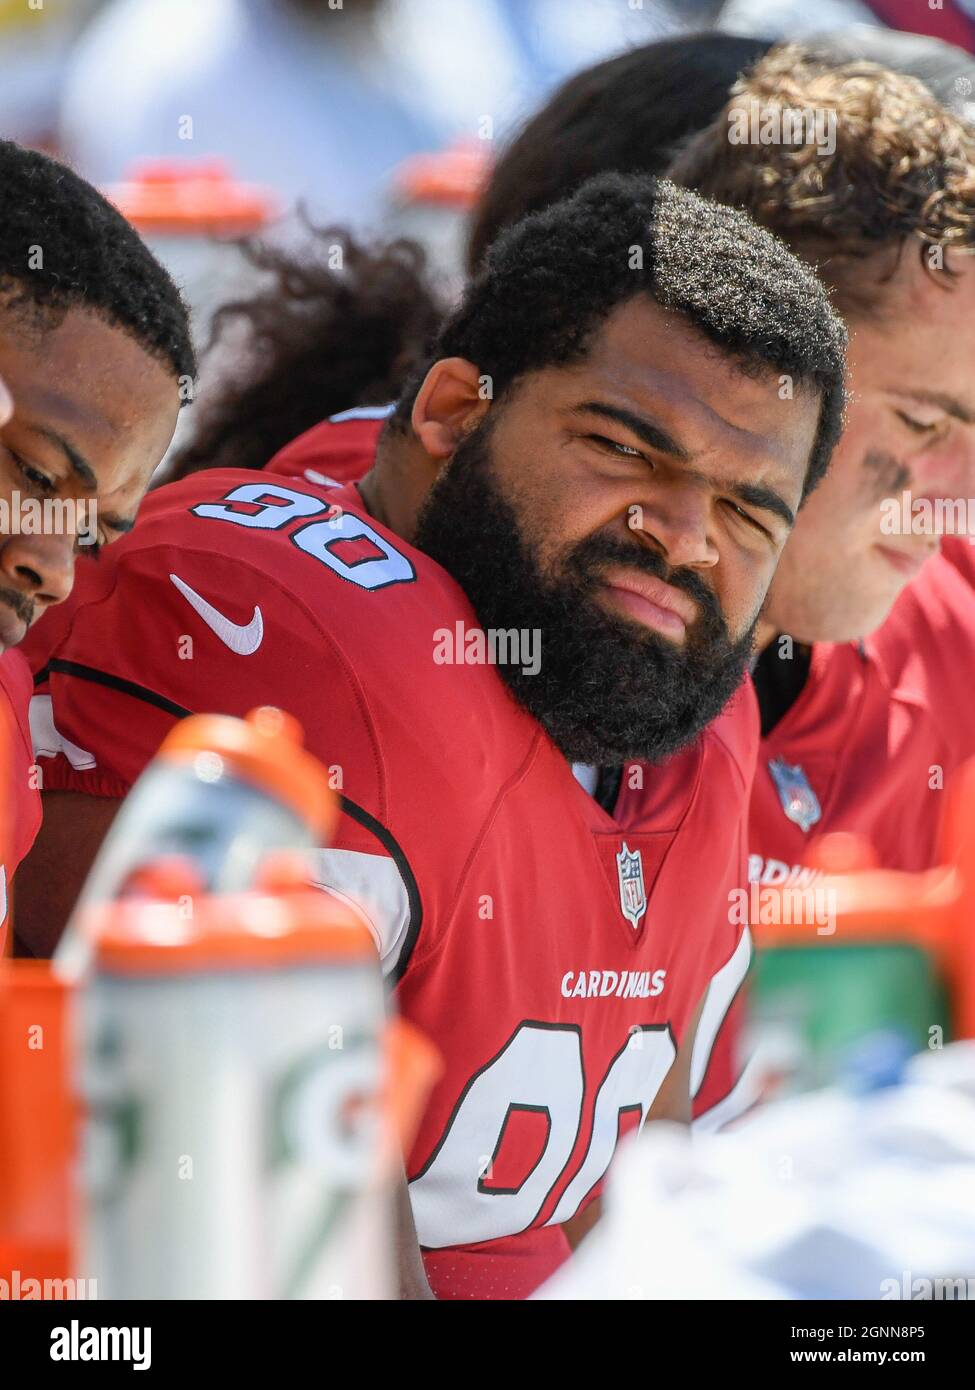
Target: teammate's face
column 92, row 416
column 911, row 428
column 630, row 508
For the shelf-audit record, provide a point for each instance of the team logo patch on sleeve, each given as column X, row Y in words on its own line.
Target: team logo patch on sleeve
column 799, row 801
column 633, row 891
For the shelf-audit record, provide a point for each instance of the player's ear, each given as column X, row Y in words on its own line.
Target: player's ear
column 448, row 405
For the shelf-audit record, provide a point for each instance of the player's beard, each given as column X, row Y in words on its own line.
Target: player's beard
column 605, row 691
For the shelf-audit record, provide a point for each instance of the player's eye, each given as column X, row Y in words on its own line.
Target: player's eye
column 615, row 447
column 33, row 475
column 745, row 516
column 918, row 426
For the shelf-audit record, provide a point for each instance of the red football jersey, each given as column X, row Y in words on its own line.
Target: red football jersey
column 961, row 552
column 875, row 733
column 337, row 450
column 553, row 952
column 868, row 746
column 22, row 811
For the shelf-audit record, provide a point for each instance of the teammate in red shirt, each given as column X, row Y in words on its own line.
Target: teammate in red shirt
column 873, row 733
column 605, row 509
column 960, row 550
column 93, row 340
column 864, row 679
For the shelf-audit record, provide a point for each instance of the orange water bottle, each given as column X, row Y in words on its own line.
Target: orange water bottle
column 231, row 1037
column 220, row 796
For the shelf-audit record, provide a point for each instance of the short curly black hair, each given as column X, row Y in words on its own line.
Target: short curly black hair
column 549, row 282
column 64, row 246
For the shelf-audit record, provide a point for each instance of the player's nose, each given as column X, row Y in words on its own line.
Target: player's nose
column 41, row 566
column 6, row 403
column 675, row 517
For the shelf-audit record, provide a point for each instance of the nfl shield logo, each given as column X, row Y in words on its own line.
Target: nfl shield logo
column 633, row 893
column 799, row 801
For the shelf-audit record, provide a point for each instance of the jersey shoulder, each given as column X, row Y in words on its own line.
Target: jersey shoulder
column 316, row 550
column 239, row 589
column 919, row 646
column 228, row 541
column 960, row 552
column 338, row 450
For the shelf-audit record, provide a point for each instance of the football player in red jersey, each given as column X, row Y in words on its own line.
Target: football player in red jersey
column 596, row 473
column 94, row 342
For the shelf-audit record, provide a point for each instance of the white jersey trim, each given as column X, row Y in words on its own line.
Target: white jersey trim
column 740, row 1099
column 47, row 739
column 717, row 1001
column 363, row 412
column 372, row 885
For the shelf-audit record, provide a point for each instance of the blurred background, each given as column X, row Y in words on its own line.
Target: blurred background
column 220, row 117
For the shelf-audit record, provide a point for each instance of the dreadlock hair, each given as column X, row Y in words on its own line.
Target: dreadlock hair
column 317, row 340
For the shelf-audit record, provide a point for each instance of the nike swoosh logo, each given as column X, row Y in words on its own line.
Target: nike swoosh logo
column 242, row 638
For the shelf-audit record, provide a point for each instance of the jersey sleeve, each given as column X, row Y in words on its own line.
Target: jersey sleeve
column 960, row 552
column 182, row 631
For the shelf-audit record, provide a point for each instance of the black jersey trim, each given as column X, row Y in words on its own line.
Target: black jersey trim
column 389, row 842
column 350, row 808
column 126, row 687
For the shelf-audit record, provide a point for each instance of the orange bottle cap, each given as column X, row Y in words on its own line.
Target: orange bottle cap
column 232, row 932
column 191, row 198
column 453, row 177
column 169, row 877
column 264, row 749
